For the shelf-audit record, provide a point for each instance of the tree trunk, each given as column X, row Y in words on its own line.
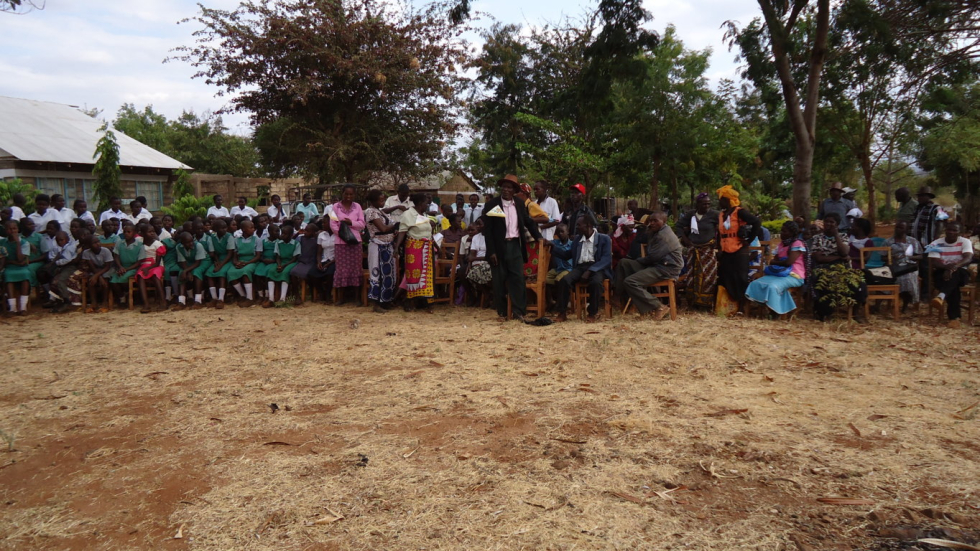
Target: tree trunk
column 802, row 114
column 872, row 215
column 655, row 185
column 674, row 203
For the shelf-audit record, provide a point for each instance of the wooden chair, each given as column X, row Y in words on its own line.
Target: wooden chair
column 536, row 285
column 880, row 293
column 663, row 289
column 150, row 290
column 302, row 291
column 109, row 298
column 580, row 299
column 445, row 272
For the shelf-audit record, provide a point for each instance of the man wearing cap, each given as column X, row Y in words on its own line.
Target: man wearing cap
column 836, row 203
column 906, row 205
column 504, row 221
column 578, row 208
column 926, row 228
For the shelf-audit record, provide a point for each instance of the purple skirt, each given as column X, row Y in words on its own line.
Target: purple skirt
column 348, row 261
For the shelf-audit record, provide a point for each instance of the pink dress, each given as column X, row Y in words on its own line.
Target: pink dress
column 153, row 252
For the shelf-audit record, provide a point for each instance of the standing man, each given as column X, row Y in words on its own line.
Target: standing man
column 906, row 205
column 243, row 209
column 504, row 222
column 550, row 207
column 397, row 204
column 926, row 229
column 948, row 259
column 66, row 214
column 591, row 256
column 218, row 211
column 836, row 203
column 578, row 208
column 663, row 260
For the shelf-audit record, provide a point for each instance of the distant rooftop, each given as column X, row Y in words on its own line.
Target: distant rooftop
column 42, row 131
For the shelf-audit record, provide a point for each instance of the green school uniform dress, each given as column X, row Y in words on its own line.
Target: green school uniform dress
column 247, row 249
column 128, row 255
column 268, row 253
column 16, row 274
column 221, row 247
column 287, row 252
column 170, row 265
column 109, row 239
column 196, row 253
column 206, row 263
column 35, row 242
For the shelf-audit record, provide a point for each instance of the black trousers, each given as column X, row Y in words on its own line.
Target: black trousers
column 508, row 279
column 564, row 288
column 733, row 272
column 951, row 288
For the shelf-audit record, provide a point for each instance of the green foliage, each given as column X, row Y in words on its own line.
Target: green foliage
column 9, row 188
column 336, row 89
column 774, row 226
column 106, row 170
column 201, row 142
column 837, row 281
column 183, row 186
column 187, row 206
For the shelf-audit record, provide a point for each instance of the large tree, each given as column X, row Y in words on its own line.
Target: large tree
column 792, row 40
column 338, row 88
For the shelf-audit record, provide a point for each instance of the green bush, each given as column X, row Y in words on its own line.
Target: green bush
column 9, row 188
column 775, row 226
column 187, row 206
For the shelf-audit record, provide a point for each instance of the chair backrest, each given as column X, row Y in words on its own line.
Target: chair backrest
column 448, row 251
column 878, row 241
column 874, row 255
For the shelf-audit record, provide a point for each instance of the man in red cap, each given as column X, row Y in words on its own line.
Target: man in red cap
column 504, row 222
column 579, row 208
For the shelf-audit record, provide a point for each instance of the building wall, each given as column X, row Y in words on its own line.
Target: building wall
column 230, row 186
column 78, row 185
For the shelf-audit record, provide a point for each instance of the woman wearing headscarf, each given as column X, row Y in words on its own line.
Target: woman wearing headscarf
column 736, row 229
column 415, row 231
column 787, row 270
column 622, row 238
column 698, row 231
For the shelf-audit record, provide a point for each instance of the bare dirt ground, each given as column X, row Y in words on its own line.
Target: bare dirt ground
column 451, row 431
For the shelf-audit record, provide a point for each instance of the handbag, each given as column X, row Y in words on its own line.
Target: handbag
column 347, row 235
column 778, row 271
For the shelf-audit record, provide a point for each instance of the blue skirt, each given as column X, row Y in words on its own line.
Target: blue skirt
column 773, row 291
column 383, row 266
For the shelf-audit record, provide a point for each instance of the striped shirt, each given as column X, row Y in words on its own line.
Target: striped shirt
column 950, row 253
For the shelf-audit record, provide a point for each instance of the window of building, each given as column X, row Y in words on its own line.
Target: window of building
column 153, row 191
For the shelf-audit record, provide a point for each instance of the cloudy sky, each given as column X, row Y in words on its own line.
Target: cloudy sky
column 103, row 53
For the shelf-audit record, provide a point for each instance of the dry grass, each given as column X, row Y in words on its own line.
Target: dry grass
column 454, row 432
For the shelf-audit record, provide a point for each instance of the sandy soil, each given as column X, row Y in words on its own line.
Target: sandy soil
column 451, row 431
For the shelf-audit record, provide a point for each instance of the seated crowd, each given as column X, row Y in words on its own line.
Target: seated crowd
column 717, row 259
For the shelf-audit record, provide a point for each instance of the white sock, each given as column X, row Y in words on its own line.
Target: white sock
column 248, row 291
column 197, row 298
column 272, row 290
column 168, row 292
column 23, row 303
column 941, row 296
column 214, row 292
column 238, row 288
column 182, row 299
column 221, row 294
column 285, row 288
column 12, row 304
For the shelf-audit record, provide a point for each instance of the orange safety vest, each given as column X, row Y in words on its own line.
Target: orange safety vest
column 730, row 241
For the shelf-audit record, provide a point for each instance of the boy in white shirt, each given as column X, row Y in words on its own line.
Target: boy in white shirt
column 243, row 209
column 217, row 210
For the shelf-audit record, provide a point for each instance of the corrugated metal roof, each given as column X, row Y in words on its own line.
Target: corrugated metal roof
column 57, row 133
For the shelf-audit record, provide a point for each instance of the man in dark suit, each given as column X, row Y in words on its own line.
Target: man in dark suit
column 507, row 247
column 591, row 257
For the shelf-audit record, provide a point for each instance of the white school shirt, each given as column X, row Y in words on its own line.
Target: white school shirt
column 247, row 212
column 143, row 215
column 273, row 212
column 471, row 215
column 110, row 214
column 67, row 215
column 41, row 221
column 550, row 207
column 328, row 243
column 219, row 213
column 479, row 244
column 16, row 213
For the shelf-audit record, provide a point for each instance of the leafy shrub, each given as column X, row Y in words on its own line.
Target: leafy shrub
column 9, row 188
column 775, row 226
column 187, row 206
column 838, row 281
